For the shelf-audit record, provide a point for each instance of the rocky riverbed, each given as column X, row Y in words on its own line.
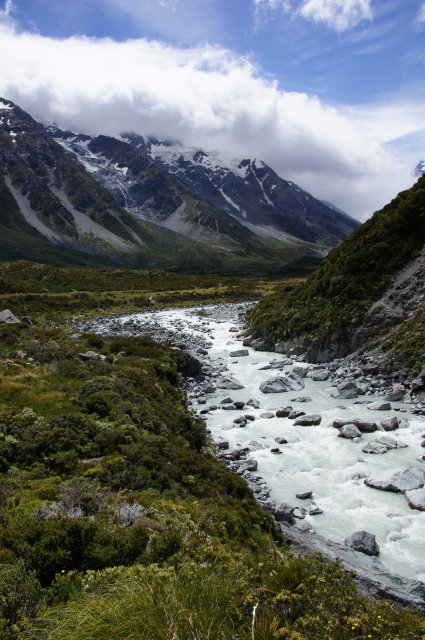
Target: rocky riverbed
column 330, row 449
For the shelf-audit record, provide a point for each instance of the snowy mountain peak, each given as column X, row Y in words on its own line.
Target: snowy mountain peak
column 419, row 170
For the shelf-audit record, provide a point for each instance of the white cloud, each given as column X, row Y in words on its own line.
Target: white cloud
column 420, row 18
column 212, row 98
column 340, row 15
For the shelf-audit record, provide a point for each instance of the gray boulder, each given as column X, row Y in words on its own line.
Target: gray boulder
column 349, row 431
column 284, row 513
column 362, row 425
column 381, row 405
column 398, row 392
column 249, row 465
column 345, row 390
column 391, row 443
column 91, row 355
column 7, row 316
column 267, row 415
column 375, row 447
column 284, row 412
column 300, row 371
column 296, row 413
column 305, row 495
column 398, row 482
column 239, row 354
column 282, row 384
column 301, row 399
column 390, row 424
column 308, row 421
column 364, row 542
column 321, row 375
column 227, row 382
column 277, row 364
column 416, row 499
column 315, row 510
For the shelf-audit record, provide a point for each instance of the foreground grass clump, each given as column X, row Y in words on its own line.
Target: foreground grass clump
column 232, row 598
column 355, row 274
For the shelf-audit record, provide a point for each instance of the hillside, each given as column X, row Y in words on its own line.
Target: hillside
column 370, row 285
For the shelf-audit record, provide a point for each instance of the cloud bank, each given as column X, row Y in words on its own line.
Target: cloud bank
column 209, row 97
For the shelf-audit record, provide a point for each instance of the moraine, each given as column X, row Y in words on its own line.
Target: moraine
column 314, row 458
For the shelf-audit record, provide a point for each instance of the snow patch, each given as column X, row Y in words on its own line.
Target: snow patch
column 5, row 107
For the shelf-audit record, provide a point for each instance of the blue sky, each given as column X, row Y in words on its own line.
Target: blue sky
column 330, row 92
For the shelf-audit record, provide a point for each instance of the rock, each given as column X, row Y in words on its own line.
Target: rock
column 371, row 368
column 283, row 413
column 249, row 465
column 299, row 513
column 27, row 320
column 308, row 421
column 381, row 405
column 398, row 392
column 7, row 316
column 300, row 371
column 301, row 399
column 345, row 390
column 416, row 499
column 362, row 425
column 223, row 444
column 288, row 382
column 210, row 388
column 391, row 443
column 349, row 431
column 398, row 482
column 226, row 401
column 296, row 413
column 375, row 447
column 306, row 527
column 229, row 407
column 277, row 364
column 201, row 351
column 280, row 440
column 241, row 420
column 314, row 510
column 321, row 375
column 305, row 495
column 417, row 384
column 91, row 355
column 268, row 415
column 228, row 383
column 255, row 404
column 239, row 354
column 239, row 404
column 390, row 424
column 275, row 450
column 364, row 542
column 284, row 513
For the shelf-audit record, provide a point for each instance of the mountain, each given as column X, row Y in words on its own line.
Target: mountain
column 53, row 210
column 368, row 292
column 252, row 192
column 419, row 170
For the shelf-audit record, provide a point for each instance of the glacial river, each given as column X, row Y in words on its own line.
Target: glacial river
column 314, row 458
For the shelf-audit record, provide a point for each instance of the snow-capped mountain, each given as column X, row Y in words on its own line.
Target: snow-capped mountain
column 419, row 170
column 145, row 175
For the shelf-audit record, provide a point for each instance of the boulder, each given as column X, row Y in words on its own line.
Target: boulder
column 282, row 384
column 227, row 382
column 284, row 513
column 362, row 425
column 398, row 392
column 277, row 364
column 345, row 390
column 301, row 399
column 314, row 510
column 229, row 407
column 309, row 420
column 371, row 368
column 349, row 431
column 390, row 424
column 321, row 375
column 416, row 499
column 375, row 447
column 381, row 405
column 239, row 404
column 226, row 401
column 7, row 316
column 267, row 414
column 280, row 440
column 305, row 495
column 398, row 482
column 249, row 465
column 300, row 371
column 255, row 404
column 364, row 542
column 239, row 354
column 241, row 420
column 91, row 355
column 284, row 412
column 391, row 443
column 223, row 444
column 296, row 413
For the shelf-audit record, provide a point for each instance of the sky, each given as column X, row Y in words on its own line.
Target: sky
column 329, row 93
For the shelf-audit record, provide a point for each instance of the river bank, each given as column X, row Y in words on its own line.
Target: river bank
column 307, row 458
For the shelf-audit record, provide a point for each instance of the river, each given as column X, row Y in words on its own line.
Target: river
column 314, row 458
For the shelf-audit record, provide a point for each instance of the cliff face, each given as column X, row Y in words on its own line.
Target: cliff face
column 362, row 295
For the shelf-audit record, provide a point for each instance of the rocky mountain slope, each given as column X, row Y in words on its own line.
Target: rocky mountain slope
column 156, row 181
column 52, row 210
column 368, row 293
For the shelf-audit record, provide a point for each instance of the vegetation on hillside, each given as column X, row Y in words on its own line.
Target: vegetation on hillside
column 337, row 294
column 116, row 518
